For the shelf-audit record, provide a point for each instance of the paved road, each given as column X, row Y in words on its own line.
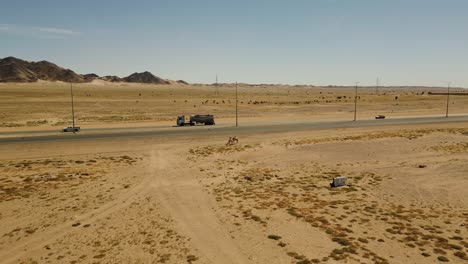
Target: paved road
column 161, row 131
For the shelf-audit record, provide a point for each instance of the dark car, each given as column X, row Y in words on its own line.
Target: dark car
column 71, row 129
column 379, row 117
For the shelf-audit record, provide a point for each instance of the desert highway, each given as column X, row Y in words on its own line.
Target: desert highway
column 160, row 131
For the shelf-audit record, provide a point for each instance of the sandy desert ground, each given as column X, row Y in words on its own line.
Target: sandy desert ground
column 265, row 200
column 46, row 105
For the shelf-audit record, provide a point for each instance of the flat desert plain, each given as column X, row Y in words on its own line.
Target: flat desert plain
column 47, row 105
column 266, row 199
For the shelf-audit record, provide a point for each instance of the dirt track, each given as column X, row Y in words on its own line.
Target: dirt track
column 183, row 196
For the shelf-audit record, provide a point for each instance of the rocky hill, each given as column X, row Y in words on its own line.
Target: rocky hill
column 90, row 77
column 16, row 70
column 182, row 82
column 111, row 78
column 145, row 77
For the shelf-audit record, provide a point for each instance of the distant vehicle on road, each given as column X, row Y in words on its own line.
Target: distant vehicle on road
column 71, row 129
column 196, row 119
column 379, row 117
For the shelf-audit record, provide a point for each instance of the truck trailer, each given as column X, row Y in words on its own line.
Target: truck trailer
column 195, row 119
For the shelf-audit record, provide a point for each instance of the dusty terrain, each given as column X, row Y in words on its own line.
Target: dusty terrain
column 264, row 200
column 46, row 105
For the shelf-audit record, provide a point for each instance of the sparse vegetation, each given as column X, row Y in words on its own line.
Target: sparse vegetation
column 221, row 149
column 443, row 259
column 301, row 190
column 33, row 176
column 274, row 237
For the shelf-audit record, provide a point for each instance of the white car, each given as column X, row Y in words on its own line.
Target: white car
column 71, row 129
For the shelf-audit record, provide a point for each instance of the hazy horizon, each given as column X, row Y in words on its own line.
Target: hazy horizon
column 328, row 42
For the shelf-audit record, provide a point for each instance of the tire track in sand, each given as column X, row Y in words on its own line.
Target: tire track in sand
column 38, row 240
column 191, row 209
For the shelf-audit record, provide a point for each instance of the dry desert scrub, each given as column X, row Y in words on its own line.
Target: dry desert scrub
column 354, row 217
column 409, row 134
column 23, row 178
column 262, row 189
column 221, row 149
column 339, row 212
column 452, row 148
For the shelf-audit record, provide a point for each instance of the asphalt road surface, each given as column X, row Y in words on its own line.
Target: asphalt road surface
column 249, row 128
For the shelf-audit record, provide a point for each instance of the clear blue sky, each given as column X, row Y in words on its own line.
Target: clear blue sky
column 404, row 42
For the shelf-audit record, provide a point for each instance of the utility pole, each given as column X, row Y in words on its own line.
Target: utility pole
column 216, row 85
column 355, row 101
column 448, row 95
column 377, row 86
column 237, row 123
column 73, row 109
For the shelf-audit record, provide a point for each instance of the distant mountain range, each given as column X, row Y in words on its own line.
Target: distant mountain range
column 16, row 70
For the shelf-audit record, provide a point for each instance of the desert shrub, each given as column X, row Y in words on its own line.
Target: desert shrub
column 274, row 237
column 342, row 241
column 460, row 254
column 443, row 259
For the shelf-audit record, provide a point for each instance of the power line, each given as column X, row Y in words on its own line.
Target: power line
column 377, row 86
column 355, row 101
column 237, row 123
column 216, row 85
column 448, row 96
column 73, row 109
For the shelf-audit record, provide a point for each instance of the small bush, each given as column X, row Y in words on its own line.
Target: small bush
column 191, row 258
column 460, row 254
column 443, row 259
column 457, row 247
column 341, row 241
column 363, row 240
column 274, row 237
